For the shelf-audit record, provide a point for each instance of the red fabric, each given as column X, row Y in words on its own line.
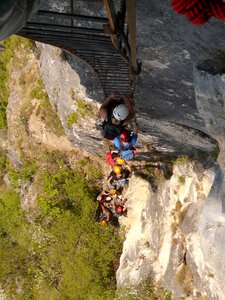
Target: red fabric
column 200, row 11
column 110, row 159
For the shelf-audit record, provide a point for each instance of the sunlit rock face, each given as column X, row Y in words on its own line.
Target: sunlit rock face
column 77, row 111
column 210, row 91
column 175, row 236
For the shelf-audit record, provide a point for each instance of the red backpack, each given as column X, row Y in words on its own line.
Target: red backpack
column 110, row 159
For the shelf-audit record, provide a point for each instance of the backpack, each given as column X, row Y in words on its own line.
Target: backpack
column 127, row 154
column 110, row 159
column 110, row 131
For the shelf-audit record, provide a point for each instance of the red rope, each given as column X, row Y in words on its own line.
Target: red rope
column 200, row 11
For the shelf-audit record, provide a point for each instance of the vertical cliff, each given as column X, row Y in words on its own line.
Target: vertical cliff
column 174, row 234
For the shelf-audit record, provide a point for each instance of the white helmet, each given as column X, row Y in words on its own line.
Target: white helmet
column 120, row 112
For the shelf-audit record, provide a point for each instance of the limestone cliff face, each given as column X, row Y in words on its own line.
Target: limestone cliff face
column 65, row 91
column 168, row 237
column 210, row 94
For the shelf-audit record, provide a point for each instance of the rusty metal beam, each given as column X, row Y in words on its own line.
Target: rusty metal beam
column 60, row 15
column 63, row 27
column 72, row 12
column 111, row 13
column 131, row 18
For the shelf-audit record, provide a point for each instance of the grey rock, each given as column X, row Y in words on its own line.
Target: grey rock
column 168, row 47
column 14, row 157
column 210, row 95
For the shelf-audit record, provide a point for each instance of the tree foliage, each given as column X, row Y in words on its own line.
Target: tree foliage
column 64, row 253
column 12, row 44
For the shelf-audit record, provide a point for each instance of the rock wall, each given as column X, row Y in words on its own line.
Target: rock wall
column 68, row 80
column 64, row 88
column 165, row 103
column 167, row 236
column 210, row 95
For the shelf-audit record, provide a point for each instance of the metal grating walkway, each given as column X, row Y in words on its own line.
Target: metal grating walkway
column 92, row 39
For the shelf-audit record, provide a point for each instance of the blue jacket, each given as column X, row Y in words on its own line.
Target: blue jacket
column 118, row 143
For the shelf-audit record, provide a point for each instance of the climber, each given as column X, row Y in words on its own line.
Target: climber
column 115, row 114
column 114, row 175
column 112, row 191
column 127, row 139
column 104, row 215
column 103, row 196
column 119, row 206
column 111, row 157
column 124, row 180
column 14, row 15
column 119, row 177
column 126, row 169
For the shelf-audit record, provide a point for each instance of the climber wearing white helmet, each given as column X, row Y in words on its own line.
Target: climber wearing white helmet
column 116, row 113
column 120, row 112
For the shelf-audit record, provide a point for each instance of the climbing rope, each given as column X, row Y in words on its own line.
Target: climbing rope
column 200, row 11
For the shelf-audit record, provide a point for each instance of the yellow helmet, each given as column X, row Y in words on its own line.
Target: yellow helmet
column 117, row 169
column 112, row 191
column 120, row 161
column 103, row 222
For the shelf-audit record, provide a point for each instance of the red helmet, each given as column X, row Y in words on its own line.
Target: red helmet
column 124, row 136
column 120, row 209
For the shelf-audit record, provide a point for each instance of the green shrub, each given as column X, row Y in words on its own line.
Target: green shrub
column 65, row 253
column 22, row 175
column 181, row 180
column 144, row 291
column 73, row 118
column 3, row 165
column 83, row 109
column 215, row 152
column 182, row 160
column 18, row 260
column 45, row 111
column 12, row 45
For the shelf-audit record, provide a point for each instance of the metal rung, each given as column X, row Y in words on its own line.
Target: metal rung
column 59, row 15
column 68, row 28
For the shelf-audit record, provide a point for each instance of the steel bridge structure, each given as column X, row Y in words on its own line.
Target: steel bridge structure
column 108, row 44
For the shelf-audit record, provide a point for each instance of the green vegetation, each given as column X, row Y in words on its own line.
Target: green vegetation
column 18, row 49
column 83, row 109
column 182, row 160
column 45, row 110
column 181, row 180
column 73, row 118
column 39, row 91
column 12, row 45
column 64, row 55
column 64, row 253
column 144, row 291
column 215, row 152
column 3, row 165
